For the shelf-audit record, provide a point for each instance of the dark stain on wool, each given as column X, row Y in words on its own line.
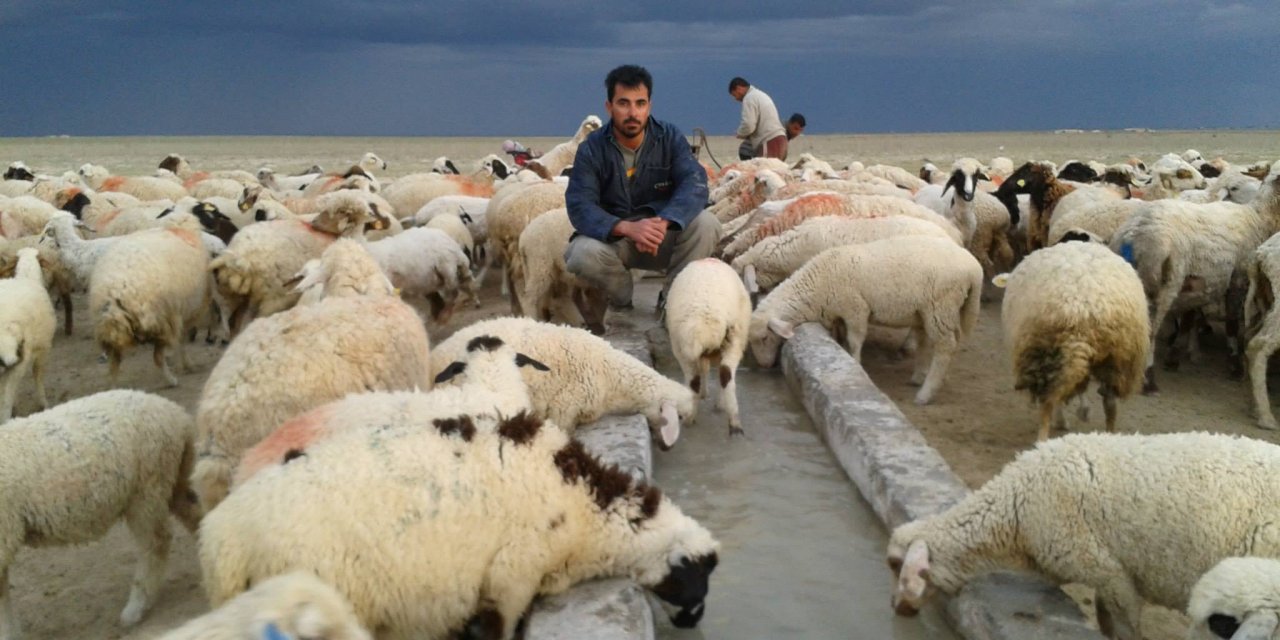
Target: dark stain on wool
column 606, row 483
column 521, row 428
column 488, row 343
column 461, row 425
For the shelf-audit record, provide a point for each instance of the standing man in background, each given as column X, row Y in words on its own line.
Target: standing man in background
column 760, row 126
column 636, row 197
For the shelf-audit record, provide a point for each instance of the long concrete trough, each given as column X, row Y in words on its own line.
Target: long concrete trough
column 903, row 478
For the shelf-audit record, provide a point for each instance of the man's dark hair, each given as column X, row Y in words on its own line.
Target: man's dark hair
column 798, row 119
column 628, row 75
column 738, row 82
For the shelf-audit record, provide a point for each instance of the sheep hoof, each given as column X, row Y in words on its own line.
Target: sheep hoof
column 1268, row 424
column 922, row 400
column 1150, row 389
column 736, row 431
column 596, row 328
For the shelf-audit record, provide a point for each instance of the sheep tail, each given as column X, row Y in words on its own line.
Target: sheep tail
column 116, row 325
column 1046, row 365
column 231, row 273
column 211, row 480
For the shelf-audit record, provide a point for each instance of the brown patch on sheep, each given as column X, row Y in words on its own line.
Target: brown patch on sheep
column 520, row 429
column 484, row 624
column 726, row 376
column 605, row 483
column 486, row 342
column 696, row 384
column 461, row 425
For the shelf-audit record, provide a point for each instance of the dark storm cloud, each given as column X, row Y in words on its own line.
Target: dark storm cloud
column 412, row 68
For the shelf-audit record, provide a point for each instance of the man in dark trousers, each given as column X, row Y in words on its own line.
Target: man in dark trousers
column 636, row 197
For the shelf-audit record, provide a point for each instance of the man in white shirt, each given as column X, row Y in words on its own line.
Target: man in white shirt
column 761, row 128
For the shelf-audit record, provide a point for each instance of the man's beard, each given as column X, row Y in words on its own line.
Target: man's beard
column 624, row 133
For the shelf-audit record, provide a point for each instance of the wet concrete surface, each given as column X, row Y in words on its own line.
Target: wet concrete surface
column 802, row 552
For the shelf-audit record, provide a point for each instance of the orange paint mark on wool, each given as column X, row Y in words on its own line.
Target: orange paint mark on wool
column 106, row 220
column 112, row 183
column 469, row 187
column 186, row 235
column 195, row 179
column 295, row 435
column 820, row 204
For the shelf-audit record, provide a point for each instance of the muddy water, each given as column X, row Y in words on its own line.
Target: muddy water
column 802, row 553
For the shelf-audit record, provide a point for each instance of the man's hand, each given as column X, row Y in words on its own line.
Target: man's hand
column 647, row 233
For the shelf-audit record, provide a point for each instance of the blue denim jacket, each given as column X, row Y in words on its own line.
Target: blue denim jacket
column 668, row 181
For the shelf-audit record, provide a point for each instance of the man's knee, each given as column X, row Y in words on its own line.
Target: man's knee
column 586, row 256
column 705, row 228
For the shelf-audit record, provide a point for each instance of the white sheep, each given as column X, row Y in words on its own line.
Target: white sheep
column 1130, row 515
column 293, row 361
column 1262, row 319
column 589, row 378
column 444, row 165
column 1238, row 599
column 1103, row 219
column 551, row 163
column 141, row 187
column 189, row 177
column 775, row 258
column 58, row 279
column 846, row 288
column 1074, row 312
column 412, row 193
column 27, row 325
column 427, row 263
column 116, row 455
column 457, row 229
column 149, row 288
column 565, row 517
column 509, row 212
column 708, row 310
column 1170, row 241
column 24, row 215
column 267, row 177
column 485, row 384
column 897, row 175
column 293, row 605
column 983, row 220
column 345, row 269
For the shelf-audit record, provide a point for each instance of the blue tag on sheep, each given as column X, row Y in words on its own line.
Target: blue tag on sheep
column 272, row 632
column 1126, row 252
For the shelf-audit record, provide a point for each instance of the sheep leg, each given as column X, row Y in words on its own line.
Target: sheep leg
column 728, row 400
column 149, row 526
column 8, row 623
column 943, row 347
column 1109, row 407
column 1047, row 410
column 8, row 391
column 37, row 372
column 1258, row 353
column 691, row 379
column 157, row 354
column 924, row 355
column 66, row 321
column 704, row 372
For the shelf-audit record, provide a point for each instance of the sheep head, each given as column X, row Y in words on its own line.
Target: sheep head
column 766, row 336
column 965, row 174
column 173, row 163
column 371, row 162
column 911, row 566
column 19, row 171
column 1077, row 172
column 1239, row 598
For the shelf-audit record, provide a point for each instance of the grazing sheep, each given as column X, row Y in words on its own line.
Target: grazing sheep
column 345, row 269
column 296, row 360
column 564, row 517
column 27, row 325
column 589, row 378
column 551, row 163
column 1186, row 252
column 1074, row 312
column 412, row 193
column 73, row 471
column 774, row 259
column 1038, row 181
column 1238, row 599
column 149, row 288
column 141, row 187
column 1103, row 219
column 846, row 288
column 707, row 314
column 427, row 263
column 293, row 605
column 1134, row 516
column 457, row 229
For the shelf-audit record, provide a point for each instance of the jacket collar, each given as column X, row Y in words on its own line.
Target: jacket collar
column 653, row 129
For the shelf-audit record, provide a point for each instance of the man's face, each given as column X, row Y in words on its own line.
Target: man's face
column 794, row 129
column 629, row 110
column 738, row 92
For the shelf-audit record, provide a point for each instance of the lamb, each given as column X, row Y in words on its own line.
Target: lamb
column 1237, row 598
column 486, row 385
column 550, row 291
column 1172, row 244
column 292, row 605
column 427, row 263
column 982, row 219
column 516, row 471
column 551, row 163
column 116, row 455
column 589, row 378
column 847, row 287
column 707, row 313
column 1129, row 515
column 1074, row 312
column 251, row 273
column 507, row 217
column 149, row 288
column 58, row 279
column 27, row 325
column 773, row 259
column 298, row 359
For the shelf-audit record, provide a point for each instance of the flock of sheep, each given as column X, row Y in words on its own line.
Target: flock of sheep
column 349, row 479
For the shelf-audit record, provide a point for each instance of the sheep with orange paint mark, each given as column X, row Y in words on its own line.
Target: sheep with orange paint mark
column 143, row 188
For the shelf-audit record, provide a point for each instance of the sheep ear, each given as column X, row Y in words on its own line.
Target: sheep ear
column 1001, row 280
column 782, row 328
column 525, row 361
column 749, row 279
column 450, row 371
column 294, row 281
column 670, row 430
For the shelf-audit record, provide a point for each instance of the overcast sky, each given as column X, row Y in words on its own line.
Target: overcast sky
column 471, row 68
